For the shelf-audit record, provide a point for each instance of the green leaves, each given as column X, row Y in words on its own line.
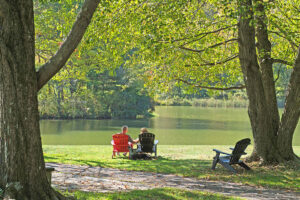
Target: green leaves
column 164, row 40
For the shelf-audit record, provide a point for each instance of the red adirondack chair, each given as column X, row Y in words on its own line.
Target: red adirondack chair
column 120, row 143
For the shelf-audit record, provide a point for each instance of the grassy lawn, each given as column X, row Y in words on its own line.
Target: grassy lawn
column 185, row 160
column 161, row 193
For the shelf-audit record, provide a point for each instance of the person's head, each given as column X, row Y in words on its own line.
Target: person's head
column 124, row 129
column 144, row 130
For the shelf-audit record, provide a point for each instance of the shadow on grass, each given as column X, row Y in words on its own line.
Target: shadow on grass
column 57, row 159
column 281, row 178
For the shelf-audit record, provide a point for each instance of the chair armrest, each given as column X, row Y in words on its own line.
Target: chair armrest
column 155, row 142
column 112, row 142
column 218, row 151
column 139, row 148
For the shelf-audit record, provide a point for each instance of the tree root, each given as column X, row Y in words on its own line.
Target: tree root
column 252, row 158
column 297, row 158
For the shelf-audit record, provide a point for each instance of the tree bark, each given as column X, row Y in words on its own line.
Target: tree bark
column 291, row 114
column 22, row 171
column 22, row 167
column 265, row 62
column 265, row 140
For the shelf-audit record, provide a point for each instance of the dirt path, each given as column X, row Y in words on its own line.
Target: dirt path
column 97, row 179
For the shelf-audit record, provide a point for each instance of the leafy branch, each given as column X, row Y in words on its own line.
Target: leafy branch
column 209, row 47
column 201, row 35
column 218, row 62
column 211, row 88
column 282, row 62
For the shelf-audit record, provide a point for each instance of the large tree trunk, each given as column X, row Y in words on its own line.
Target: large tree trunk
column 265, row 140
column 22, row 167
column 265, row 61
column 273, row 140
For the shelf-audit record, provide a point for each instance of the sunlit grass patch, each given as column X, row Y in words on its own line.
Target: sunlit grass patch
column 184, row 160
column 161, row 193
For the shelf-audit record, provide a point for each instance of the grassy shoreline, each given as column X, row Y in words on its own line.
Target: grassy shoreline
column 205, row 102
column 184, row 160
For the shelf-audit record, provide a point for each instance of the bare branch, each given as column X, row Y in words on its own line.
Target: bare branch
column 216, row 63
column 282, row 62
column 221, row 62
column 211, row 88
column 49, row 69
column 40, row 56
column 195, row 37
column 215, row 31
column 195, row 40
column 209, row 47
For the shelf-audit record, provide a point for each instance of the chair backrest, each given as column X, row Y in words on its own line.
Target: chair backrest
column 120, row 142
column 147, row 142
column 239, row 150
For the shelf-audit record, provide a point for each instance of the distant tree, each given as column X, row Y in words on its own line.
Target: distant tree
column 22, row 167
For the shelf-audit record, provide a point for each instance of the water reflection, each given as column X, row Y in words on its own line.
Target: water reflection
column 173, row 125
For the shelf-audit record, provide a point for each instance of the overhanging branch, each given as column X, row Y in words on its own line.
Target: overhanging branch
column 49, row 69
column 282, row 62
column 212, row 88
column 220, row 62
column 209, row 47
column 232, row 57
column 194, row 37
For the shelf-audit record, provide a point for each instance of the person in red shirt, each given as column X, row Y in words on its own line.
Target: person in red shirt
column 125, row 131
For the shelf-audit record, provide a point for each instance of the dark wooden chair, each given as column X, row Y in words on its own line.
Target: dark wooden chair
column 148, row 144
column 233, row 158
column 120, row 144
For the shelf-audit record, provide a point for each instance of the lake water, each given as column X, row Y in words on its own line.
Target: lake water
column 172, row 125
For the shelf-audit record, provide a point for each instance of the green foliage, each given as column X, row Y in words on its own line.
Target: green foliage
column 162, row 43
column 165, row 35
column 283, row 26
column 98, row 95
column 93, row 83
column 192, row 41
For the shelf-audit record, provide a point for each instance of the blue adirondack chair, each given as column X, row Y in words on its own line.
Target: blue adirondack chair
column 234, row 158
